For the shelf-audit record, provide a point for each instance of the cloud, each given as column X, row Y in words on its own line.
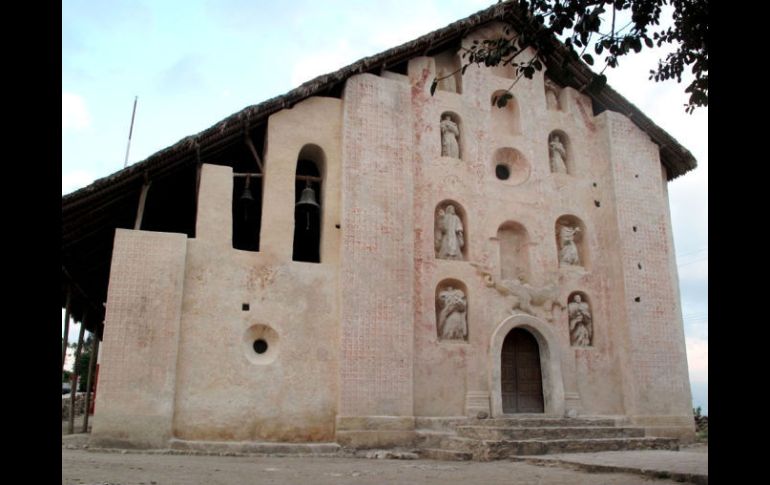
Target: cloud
column 698, row 359
column 74, row 113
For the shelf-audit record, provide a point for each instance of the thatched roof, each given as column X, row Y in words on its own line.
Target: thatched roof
column 81, row 247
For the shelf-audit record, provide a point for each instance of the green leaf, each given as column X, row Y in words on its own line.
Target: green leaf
column 433, row 86
column 589, row 59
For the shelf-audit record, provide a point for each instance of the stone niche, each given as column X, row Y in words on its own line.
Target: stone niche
column 514, row 252
column 505, row 120
column 452, row 311
column 552, row 93
column 580, row 320
column 571, row 238
column 510, row 166
column 451, row 241
column 448, row 72
column 560, row 156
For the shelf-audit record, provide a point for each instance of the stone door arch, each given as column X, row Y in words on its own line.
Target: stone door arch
column 550, row 363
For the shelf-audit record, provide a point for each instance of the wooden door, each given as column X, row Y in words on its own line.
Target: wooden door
column 521, row 379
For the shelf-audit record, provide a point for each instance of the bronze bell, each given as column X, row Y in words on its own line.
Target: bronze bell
column 246, row 196
column 307, row 199
column 307, row 202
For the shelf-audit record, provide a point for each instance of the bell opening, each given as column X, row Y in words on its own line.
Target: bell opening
column 307, row 214
column 247, row 213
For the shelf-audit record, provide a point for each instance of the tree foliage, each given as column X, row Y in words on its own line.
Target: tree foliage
column 583, row 26
column 83, row 362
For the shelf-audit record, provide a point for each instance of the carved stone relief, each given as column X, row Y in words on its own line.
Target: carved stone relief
column 450, row 135
column 558, row 154
column 451, row 317
column 525, row 298
column 580, row 322
column 450, row 238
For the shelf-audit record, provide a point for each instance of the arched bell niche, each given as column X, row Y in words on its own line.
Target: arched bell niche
column 514, row 252
column 505, row 120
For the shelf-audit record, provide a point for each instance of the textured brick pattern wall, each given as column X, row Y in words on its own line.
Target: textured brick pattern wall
column 377, row 264
column 657, row 358
column 138, row 367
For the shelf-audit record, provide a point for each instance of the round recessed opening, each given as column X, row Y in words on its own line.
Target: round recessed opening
column 510, row 166
column 502, row 171
column 260, row 346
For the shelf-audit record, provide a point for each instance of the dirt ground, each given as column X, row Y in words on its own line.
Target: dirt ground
column 84, row 467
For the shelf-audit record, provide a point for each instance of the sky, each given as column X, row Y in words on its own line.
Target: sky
column 194, row 62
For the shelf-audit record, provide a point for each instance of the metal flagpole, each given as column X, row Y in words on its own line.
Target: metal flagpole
column 131, row 130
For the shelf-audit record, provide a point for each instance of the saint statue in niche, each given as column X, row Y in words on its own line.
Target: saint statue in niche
column 449, row 135
column 580, row 325
column 551, row 95
column 558, row 155
column 568, row 252
column 449, row 234
column 451, row 317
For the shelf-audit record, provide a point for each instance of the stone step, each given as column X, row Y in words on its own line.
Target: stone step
column 541, row 422
column 496, row 450
column 445, row 455
column 252, row 447
column 550, row 432
column 445, row 441
column 441, row 424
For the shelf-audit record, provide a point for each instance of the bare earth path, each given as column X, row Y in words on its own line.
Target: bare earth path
column 84, row 467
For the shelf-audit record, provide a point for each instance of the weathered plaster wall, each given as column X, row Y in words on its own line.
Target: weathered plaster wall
column 656, row 383
column 135, row 402
column 452, row 377
column 377, row 268
column 225, row 390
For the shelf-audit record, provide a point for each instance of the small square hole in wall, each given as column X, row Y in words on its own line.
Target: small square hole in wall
column 637, row 299
column 245, row 307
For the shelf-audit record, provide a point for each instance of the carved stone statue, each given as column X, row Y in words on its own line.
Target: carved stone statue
column 551, row 95
column 450, row 133
column 452, row 323
column 449, row 234
column 568, row 251
column 558, row 155
column 580, row 322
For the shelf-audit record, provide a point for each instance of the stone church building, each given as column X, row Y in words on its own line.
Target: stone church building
column 361, row 263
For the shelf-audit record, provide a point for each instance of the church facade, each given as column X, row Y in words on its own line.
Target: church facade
column 411, row 257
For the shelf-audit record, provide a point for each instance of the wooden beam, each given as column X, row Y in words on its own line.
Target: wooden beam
column 66, row 327
column 142, row 200
column 91, row 366
column 74, row 378
column 254, row 152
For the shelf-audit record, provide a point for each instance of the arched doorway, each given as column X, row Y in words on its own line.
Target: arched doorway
column 521, row 379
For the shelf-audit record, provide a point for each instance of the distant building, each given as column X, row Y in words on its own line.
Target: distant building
column 358, row 260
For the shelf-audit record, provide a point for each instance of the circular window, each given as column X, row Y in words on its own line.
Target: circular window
column 502, row 171
column 260, row 346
